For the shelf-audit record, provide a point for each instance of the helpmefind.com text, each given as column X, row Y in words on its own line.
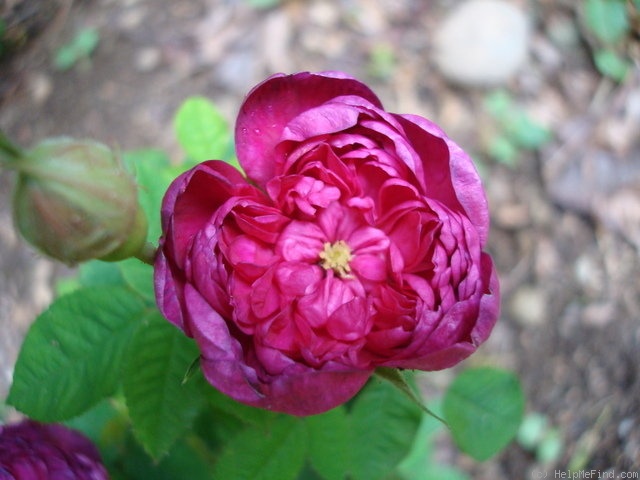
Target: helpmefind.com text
column 581, row 474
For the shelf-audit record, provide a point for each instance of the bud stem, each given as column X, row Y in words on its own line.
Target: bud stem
column 8, row 151
column 395, row 377
column 147, row 254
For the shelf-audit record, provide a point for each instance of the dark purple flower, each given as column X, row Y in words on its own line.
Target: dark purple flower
column 355, row 242
column 35, row 451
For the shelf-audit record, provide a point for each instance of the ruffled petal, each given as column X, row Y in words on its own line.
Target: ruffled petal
column 450, row 175
column 272, row 104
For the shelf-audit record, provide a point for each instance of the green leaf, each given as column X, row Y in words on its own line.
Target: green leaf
column 537, row 436
column 216, row 429
column 330, row 443
column 153, row 174
column 97, row 273
column 527, row 133
column 65, row 286
column 611, row 65
column 160, row 406
column 86, row 41
column 107, row 425
column 187, row 460
column 531, row 430
column 440, row 472
column 201, row 129
column 81, row 46
column 398, row 380
column 382, row 60
column 308, row 473
column 247, row 414
column 138, row 276
column 503, row 150
column 71, row 357
column 499, row 104
column 277, row 453
column 384, row 423
column 419, row 464
column 93, row 421
column 607, row 19
column 484, row 408
column 519, row 128
column 264, row 4
column 131, row 273
column 551, row 447
column 419, row 457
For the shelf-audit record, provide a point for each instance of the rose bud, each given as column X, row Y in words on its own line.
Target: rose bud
column 35, row 451
column 75, row 201
column 356, row 242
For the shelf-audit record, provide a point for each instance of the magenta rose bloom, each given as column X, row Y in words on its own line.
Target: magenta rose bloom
column 35, row 451
column 355, row 242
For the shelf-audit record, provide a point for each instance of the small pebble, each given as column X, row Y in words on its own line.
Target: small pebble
column 589, row 274
column 147, row 59
column 324, row 14
column 625, row 427
column 40, row 86
column 482, row 42
column 529, row 306
column 600, row 314
column 132, row 18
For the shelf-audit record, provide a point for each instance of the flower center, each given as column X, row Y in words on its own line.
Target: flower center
column 336, row 256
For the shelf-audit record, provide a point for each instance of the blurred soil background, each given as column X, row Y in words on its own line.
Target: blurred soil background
column 518, row 86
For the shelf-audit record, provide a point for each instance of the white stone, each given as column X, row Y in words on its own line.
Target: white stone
column 529, row 306
column 482, row 42
column 147, row 59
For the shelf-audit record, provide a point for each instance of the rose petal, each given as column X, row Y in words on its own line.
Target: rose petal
column 451, row 176
column 168, row 291
column 271, row 105
column 310, row 392
column 350, row 321
column 192, row 199
column 222, row 355
column 301, row 241
column 331, row 117
column 296, row 391
column 297, row 193
column 369, row 267
column 297, row 278
column 489, row 303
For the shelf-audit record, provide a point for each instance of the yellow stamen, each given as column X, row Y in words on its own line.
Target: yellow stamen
column 336, row 256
